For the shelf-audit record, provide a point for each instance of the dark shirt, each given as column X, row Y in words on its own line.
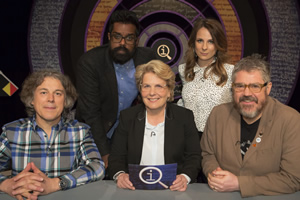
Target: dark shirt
column 248, row 132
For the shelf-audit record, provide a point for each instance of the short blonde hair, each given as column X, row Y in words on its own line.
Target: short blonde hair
column 159, row 68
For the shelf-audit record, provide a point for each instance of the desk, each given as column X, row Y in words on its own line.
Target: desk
column 107, row 190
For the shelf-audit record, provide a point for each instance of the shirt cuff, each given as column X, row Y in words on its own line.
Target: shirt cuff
column 187, row 178
column 115, row 177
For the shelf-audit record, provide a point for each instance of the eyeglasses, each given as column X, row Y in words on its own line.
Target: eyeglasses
column 117, row 38
column 157, row 88
column 253, row 87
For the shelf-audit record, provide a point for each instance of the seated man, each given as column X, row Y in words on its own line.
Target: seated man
column 48, row 151
column 252, row 144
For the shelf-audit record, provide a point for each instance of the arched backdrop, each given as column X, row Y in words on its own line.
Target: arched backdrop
column 62, row 30
column 37, row 34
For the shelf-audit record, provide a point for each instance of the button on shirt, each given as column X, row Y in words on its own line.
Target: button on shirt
column 127, row 90
column 70, row 152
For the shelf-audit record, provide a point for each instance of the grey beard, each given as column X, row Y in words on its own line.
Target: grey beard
column 253, row 114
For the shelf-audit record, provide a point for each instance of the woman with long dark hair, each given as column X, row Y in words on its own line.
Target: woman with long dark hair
column 206, row 75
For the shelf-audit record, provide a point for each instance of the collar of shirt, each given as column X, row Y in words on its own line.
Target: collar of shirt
column 198, row 68
column 57, row 127
column 54, row 129
column 158, row 127
column 127, row 68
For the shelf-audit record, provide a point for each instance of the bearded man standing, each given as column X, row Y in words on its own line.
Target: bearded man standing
column 252, row 144
column 105, row 78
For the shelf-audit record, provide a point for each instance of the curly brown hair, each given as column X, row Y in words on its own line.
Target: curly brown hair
column 217, row 33
column 37, row 78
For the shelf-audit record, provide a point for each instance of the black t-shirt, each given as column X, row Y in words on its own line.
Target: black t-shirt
column 248, row 132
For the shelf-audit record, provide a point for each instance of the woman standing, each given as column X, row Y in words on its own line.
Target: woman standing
column 206, row 76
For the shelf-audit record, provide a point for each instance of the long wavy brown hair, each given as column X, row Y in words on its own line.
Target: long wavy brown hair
column 217, row 33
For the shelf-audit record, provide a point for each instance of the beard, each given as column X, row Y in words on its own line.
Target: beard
column 245, row 110
column 121, row 58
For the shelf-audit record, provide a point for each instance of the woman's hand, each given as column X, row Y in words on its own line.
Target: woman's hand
column 124, row 182
column 180, row 184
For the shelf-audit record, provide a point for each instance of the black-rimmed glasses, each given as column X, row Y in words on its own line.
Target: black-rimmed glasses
column 117, row 38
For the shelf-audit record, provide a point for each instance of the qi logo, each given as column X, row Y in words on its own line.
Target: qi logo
column 164, row 51
column 152, row 175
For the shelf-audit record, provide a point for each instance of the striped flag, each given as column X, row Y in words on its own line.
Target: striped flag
column 7, row 88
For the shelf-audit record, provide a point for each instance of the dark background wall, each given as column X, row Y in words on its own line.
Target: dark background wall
column 15, row 19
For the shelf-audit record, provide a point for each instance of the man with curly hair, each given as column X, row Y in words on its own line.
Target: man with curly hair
column 48, row 151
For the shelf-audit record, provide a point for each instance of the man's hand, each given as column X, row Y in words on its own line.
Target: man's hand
column 223, row 181
column 180, row 184
column 21, row 189
column 124, row 182
column 6, row 186
column 35, row 181
column 105, row 160
column 49, row 185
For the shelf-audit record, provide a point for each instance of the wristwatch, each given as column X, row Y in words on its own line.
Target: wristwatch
column 63, row 183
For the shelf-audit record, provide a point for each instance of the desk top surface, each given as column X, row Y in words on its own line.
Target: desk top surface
column 107, row 190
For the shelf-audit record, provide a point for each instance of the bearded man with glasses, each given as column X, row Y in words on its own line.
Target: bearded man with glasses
column 251, row 145
column 105, row 78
